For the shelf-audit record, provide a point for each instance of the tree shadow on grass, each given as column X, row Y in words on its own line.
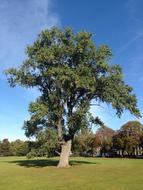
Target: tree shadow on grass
column 40, row 163
column 81, row 162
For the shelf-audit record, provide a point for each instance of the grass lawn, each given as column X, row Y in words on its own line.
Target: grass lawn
column 16, row 173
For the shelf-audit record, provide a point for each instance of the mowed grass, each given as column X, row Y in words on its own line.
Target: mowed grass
column 17, row 173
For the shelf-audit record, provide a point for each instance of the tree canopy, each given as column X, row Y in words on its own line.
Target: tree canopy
column 70, row 71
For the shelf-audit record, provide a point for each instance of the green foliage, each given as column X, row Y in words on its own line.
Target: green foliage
column 89, row 144
column 15, row 148
column 48, row 141
column 32, row 154
column 82, row 143
column 46, row 144
column 5, row 148
column 70, row 71
column 19, row 148
column 128, row 141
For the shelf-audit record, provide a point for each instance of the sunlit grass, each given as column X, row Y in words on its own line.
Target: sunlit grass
column 16, row 173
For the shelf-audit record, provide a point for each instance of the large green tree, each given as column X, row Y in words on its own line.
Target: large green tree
column 70, row 71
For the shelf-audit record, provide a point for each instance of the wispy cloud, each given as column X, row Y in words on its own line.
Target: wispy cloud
column 132, row 49
column 130, row 42
column 134, row 7
column 135, row 33
column 20, row 22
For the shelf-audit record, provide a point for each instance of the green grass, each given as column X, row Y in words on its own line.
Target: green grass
column 16, row 173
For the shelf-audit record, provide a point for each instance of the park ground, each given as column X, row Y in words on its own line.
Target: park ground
column 18, row 173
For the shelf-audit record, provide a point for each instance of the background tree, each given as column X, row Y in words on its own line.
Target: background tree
column 19, row 148
column 104, row 135
column 96, row 145
column 70, row 71
column 118, row 143
column 82, row 143
column 141, row 143
column 128, row 138
column 5, row 148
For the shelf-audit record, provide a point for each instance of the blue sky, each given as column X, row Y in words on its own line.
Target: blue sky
column 118, row 24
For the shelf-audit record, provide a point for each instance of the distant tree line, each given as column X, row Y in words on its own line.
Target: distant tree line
column 46, row 144
column 15, row 148
column 126, row 142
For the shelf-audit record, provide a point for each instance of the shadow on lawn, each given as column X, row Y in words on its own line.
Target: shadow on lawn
column 44, row 163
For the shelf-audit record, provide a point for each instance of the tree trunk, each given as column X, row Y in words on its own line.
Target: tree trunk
column 64, row 156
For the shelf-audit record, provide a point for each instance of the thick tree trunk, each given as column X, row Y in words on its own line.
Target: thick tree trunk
column 64, row 156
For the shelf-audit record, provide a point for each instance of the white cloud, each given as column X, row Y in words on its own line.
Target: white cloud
column 20, row 22
column 130, row 42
